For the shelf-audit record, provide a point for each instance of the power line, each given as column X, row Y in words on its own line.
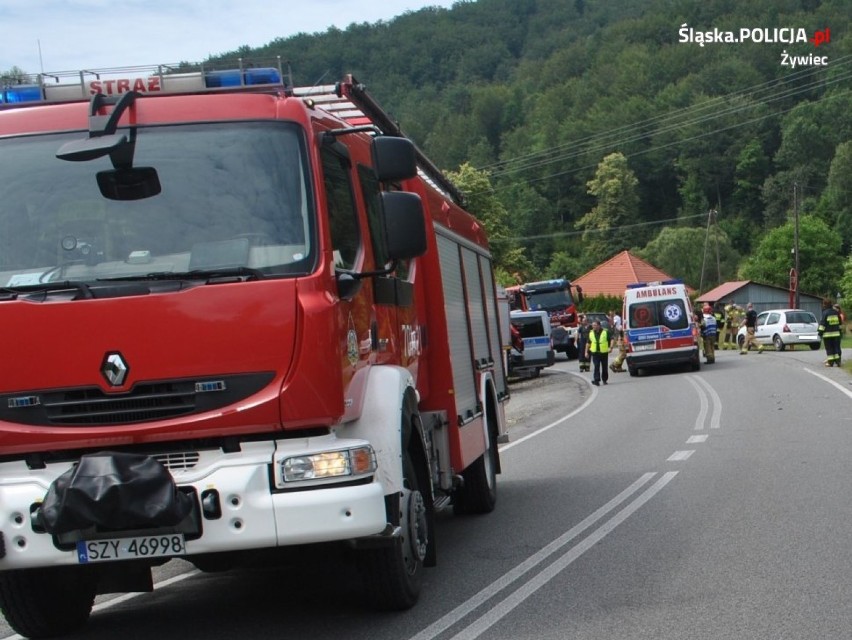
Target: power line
column 694, row 114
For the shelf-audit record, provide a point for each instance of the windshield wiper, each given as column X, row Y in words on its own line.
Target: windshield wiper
column 196, row 274
column 82, row 289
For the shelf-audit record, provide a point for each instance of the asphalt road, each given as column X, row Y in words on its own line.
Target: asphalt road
column 676, row 505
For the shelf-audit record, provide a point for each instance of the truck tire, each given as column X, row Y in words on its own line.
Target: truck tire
column 393, row 574
column 478, row 494
column 50, row 602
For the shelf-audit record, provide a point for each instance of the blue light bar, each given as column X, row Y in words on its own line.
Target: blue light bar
column 637, row 285
column 248, row 77
column 22, row 93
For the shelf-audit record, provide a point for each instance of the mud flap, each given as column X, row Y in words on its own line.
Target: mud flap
column 113, row 491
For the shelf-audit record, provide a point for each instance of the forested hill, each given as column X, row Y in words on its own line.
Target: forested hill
column 541, row 93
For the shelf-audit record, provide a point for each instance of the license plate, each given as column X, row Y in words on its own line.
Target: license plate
column 650, row 346
column 172, row 544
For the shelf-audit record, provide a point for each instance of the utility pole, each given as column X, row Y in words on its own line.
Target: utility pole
column 711, row 219
column 796, row 241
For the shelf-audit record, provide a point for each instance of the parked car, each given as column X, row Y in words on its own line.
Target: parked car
column 600, row 317
column 784, row 328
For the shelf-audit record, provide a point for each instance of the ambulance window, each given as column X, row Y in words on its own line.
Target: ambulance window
column 643, row 315
column 673, row 314
column 342, row 214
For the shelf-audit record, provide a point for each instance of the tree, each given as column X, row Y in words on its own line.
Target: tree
column 481, row 201
column 836, row 201
column 684, row 252
column 819, row 262
column 606, row 225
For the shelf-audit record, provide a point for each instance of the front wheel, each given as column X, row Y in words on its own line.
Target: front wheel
column 479, row 492
column 814, row 346
column 393, row 574
column 44, row 603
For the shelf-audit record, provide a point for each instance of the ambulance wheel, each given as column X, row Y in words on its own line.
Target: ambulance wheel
column 779, row 343
column 44, row 603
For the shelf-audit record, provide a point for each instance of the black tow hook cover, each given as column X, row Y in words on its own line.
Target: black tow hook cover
column 113, row 491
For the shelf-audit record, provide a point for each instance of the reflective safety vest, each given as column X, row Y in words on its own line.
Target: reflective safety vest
column 599, row 342
column 709, row 326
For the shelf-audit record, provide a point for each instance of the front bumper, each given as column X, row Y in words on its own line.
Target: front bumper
column 253, row 514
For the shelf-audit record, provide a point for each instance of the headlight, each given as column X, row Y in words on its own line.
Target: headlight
column 329, row 464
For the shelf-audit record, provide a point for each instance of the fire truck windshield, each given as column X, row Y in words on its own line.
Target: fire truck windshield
column 550, row 300
column 234, row 195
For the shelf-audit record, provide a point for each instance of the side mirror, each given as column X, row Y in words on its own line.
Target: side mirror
column 405, row 226
column 394, row 159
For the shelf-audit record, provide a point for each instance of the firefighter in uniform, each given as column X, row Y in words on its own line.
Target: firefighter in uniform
column 719, row 314
column 750, row 323
column 616, row 366
column 709, row 333
column 729, row 329
column 829, row 331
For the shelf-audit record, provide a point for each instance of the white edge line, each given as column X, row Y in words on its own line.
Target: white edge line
column 555, row 423
column 830, row 381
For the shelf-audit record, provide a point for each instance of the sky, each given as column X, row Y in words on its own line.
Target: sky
column 95, row 34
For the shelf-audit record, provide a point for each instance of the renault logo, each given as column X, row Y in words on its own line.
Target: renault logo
column 114, row 369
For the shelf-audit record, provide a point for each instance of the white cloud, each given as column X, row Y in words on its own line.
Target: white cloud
column 86, row 34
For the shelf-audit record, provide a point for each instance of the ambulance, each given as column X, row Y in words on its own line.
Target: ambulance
column 659, row 327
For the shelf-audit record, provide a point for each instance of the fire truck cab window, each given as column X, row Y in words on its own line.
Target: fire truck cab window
column 237, row 195
column 343, row 216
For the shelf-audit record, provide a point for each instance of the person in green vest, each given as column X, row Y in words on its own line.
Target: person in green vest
column 598, row 348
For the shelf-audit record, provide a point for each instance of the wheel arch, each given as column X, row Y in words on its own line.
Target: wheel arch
column 381, row 424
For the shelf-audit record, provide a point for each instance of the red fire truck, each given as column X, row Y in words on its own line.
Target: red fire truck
column 238, row 316
column 556, row 297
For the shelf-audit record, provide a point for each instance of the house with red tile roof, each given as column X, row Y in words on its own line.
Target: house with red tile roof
column 611, row 278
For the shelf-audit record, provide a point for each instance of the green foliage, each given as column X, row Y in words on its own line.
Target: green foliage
column 602, row 303
column 845, row 287
column 539, row 95
column 614, row 187
column 701, row 257
column 820, row 264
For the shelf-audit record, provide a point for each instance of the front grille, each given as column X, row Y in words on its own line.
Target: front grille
column 145, row 402
column 178, row 461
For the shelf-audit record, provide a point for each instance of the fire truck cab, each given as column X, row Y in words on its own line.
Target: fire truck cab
column 240, row 316
column 559, row 301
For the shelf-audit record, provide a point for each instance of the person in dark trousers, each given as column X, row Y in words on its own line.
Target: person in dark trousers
column 829, row 331
column 582, row 342
column 598, row 348
column 750, row 323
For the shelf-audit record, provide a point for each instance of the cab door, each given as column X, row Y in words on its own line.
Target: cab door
column 354, row 318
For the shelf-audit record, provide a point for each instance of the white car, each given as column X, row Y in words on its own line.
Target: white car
column 784, row 328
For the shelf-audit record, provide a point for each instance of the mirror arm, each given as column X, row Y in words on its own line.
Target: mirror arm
column 367, row 274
